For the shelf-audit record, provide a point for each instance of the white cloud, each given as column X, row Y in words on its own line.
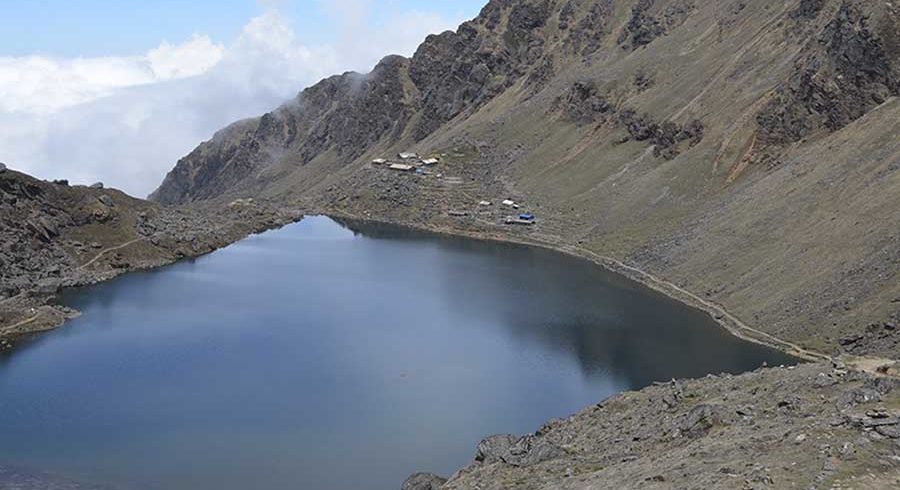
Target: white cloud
column 127, row 120
column 185, row 60
column 39, row 84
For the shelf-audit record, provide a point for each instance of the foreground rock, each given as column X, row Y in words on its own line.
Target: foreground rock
column 774, row 428
column 424, row 481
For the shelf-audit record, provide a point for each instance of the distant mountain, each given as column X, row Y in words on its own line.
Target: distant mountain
column 745, row 150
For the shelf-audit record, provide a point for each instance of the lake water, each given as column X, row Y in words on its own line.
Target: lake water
column 328, row 357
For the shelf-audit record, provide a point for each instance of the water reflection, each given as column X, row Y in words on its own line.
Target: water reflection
column 336, row 357
column 610, row 324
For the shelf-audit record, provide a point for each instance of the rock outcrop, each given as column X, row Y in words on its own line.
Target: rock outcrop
column 851, row 68
column 423, row 481
column 770, row 429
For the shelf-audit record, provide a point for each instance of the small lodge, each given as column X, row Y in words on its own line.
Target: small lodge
column 526, row 217
column 430, row 161
column 510, row 203
column 402, row 167
column 408, row 155
column 379, row 161
column 484, row 203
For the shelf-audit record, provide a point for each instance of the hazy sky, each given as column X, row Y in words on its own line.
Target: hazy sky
column 118, row 90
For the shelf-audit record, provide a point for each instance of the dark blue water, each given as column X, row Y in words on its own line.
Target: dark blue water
column 322, row 357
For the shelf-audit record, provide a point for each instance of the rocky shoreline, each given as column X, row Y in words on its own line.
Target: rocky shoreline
column 56, row 237
column 813, row 426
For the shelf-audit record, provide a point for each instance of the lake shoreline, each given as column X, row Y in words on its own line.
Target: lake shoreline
column 38, row 310
column 43, row 314
column 679, row 402
column 719, row 314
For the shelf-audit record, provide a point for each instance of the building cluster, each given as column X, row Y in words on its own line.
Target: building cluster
column 412, row 162
column 407, row 162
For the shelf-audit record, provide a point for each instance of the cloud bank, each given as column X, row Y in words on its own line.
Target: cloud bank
column 127, row 120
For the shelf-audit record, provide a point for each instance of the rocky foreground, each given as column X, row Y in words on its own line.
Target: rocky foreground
column 814, row 426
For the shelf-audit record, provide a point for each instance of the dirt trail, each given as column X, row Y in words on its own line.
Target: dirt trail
column 104, row 252
column 737, row 327
column 11, row 299
column 24, row 322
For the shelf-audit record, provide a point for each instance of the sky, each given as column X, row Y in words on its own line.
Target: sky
column 118, row 90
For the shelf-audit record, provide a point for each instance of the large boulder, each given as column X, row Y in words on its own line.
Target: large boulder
column 523, row 451
column 423, row 481
column 44, row 229
column 531, row 450
column 700, row 421
column 492, row 449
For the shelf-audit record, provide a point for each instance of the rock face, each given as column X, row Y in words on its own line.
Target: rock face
column 699, row 421
column 423, row 481
column 844, row 74
column 516, row 451
column 644, row 27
